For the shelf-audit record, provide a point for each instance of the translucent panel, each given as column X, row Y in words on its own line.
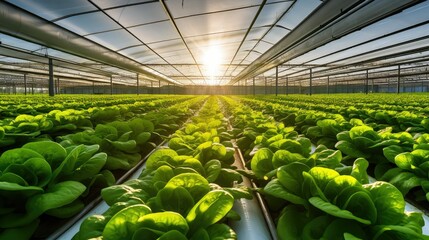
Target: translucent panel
column 139, row 53
column 18, row 43
column 88, row 23
column 9, row 60
column 374, row 45
column 167, row 46
column 252, row 56
column 139, row 14
column 263, row 46
column 409, row 17
column 298, row 12
column 217, row 22
column 257, row 33
column 181, row 8
column 166, row 70
column 222, row 38
column 114, row 40
column 271, row 12
column 393, row 50
column 66, row 56
column 53, row 9
column 179, row 57
column 275, row 34
column 117, row 3
column 155, row 32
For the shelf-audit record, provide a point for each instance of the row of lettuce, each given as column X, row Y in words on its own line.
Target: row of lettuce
column 398, row 156
column 186, row 191
column 316, row 192
column 14, row 105
column 47, row 180
column 22, row 128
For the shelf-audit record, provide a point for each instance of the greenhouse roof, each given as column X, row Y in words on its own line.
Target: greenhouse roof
column 212, row 42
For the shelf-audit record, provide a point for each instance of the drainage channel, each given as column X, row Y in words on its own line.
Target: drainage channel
column 256, row 222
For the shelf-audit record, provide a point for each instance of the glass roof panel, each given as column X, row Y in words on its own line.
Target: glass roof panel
column 88, row 23
column 179, row 57
column 262, row 47
column 117, row 3
column 139, row 53
column 374, row 45
column 271, row 12
column 167, row 46
column 275, row 34
column 114, row 40
column 216, row 22
column 53, row 9
column 409, row 17
column 67, row 56
column 181, row 8
column 138, row 14
column 18, row 43
column 299, row 10
column 155, row 32
column 385, row 52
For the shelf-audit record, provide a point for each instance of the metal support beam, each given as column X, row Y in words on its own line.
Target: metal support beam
column 287, row 85
column 254, row 92
column 277, row 80
column 93, row 87
column 398, row 86
column 372, row 86
column 366, row 82
column 58, row 86
column 311, row 81
column 32, row 88
column 322, row 27
column 265, row 85
column 51, row 78
column 151, row 87
column 25, row 84
column 159, row 86
column 111, row 85
column 327, row 86
column 138, row 84
column 19, row 23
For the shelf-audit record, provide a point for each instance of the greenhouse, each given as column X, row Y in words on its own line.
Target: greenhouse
column 214, row 119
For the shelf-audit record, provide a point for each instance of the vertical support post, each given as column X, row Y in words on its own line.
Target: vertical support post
column 111, row 85
column 58, row 85
column 254, row 92
column 168, row 88
column 366, row 82
column 151, row 87
column 32, row 88
column 311, row 81
column 245, row 87
column 327, row 86
column 388, row 85
column 372, row 85
column 51, row 78
column 25, row 84
column 287, row 85
column 93, row 87
column 277, row 80
column 398, row 86
column 138, row 84
column 159, row 86
column 265, row 85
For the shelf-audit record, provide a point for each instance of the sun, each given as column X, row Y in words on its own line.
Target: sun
column 212, row 61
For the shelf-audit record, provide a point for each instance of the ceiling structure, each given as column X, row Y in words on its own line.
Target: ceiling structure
column 214, row 42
